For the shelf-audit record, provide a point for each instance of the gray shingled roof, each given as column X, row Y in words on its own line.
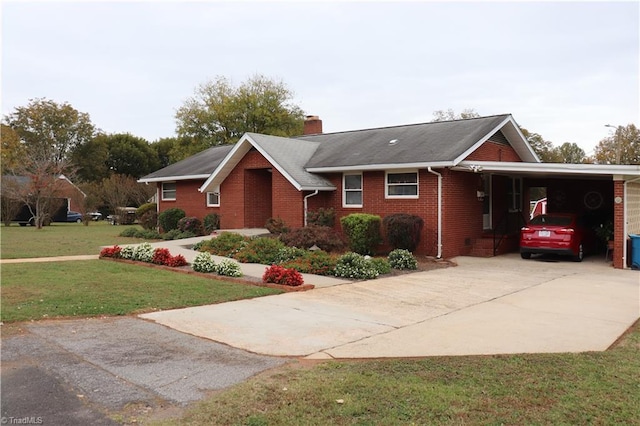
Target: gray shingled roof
column 417, row 143
column 198, row 165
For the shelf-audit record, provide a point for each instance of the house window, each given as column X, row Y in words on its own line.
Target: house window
column 514, row 194
column 352, row 192
column 402, row 185
column 213, row 198
column 168, row 190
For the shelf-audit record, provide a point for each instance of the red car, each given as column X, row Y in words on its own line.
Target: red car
column 557, row 233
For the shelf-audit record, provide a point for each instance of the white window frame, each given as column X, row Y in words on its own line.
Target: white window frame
column 397, row 172
column 345, row 190
column 163, row 191
column 216, row 193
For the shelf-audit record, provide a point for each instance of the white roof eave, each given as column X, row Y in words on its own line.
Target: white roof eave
column 173, row 178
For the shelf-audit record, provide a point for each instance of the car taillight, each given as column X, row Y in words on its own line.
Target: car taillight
column 565, row 231
column 527, row 230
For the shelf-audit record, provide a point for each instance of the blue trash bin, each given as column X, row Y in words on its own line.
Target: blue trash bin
column 635, row 251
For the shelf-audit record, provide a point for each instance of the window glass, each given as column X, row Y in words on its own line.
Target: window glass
column 169, row 191
column 352, row 192
column 213, row 199
column 402, row 184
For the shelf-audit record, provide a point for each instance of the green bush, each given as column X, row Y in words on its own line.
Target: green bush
column 211, row 222
column 313, row 262
column 403, row 230
column 382, row 265
column 226, row 244
column 321, row 236
column 191, row 224
column 129, row 232
column 363, row 232
column 203, row 262
column 260, row 250
column 322, row 217
column 147, row 215
column 134, row 232
column 354, row 265
column 286, row 254
column 402, row 259
column 276, row 225
column 176, row 234
column 169, row 218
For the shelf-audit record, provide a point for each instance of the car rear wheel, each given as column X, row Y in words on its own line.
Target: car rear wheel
column 78, row 220
column 578, row 257
column 525, row 255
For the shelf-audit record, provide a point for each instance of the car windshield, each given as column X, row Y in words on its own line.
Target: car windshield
column 544, row 219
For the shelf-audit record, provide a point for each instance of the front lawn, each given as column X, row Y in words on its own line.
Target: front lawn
column 33, row 291
column 60, row 239
column 548, row 389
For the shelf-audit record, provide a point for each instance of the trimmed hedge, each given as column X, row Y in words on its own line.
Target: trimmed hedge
column 147, row 215
column 321, row 236
column 403, row 230
column 168, row 219
column 363, row 232
column 211, row 222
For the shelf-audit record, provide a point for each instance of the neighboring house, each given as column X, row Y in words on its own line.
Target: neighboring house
column 68, row 196
column 468, row 179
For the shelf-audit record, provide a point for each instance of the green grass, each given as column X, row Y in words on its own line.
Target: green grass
column 33, row 291
column 569, row 389
column 59, row 239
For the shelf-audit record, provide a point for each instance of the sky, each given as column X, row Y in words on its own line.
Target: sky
column 562, row 69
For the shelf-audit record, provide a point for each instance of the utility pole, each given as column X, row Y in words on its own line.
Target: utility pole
column 618, row 134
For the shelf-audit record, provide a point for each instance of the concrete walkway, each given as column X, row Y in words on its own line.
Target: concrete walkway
column 483, row 306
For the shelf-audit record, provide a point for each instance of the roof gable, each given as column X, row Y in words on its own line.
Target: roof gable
column 287, row 155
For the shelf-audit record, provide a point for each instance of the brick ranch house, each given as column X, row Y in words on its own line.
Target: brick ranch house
column 468, row 179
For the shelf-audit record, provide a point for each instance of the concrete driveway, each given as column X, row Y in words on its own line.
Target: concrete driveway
column 483, row 306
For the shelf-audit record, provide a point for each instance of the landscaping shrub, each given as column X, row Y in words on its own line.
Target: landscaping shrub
column 204, row 262
column 403, row 230
column 168, row 219
column 276, row 225
column 286, row 254
column 363, row 232
column 226, row 244
column 127, row 252
column 382, row 265
column 141, row 233
column 402, row 259
column 161, row 256
column 314, row 262
column 176, row 234
column 322, row 217
column 110, row 252
column 354, row 265
column 229, row 268
column 211, row 222
column 143, row 253
column 176, row 261
column 321, row 236
column 279, row 275
column 260, row 250
column 191, row 224
column 147, row 215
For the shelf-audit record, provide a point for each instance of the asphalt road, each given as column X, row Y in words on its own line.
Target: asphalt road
column 82, row 371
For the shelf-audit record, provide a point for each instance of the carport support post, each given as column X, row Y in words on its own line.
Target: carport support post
column 619, row 237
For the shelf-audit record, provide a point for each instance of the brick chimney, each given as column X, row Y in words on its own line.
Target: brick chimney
column 312, row 125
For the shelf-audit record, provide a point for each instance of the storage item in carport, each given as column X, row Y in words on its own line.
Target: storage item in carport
column 635, row 251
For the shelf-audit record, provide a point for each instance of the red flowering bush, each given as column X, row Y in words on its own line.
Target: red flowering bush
column 110, row 252
column 176, row 261
column 279, row 275
column 161, row 256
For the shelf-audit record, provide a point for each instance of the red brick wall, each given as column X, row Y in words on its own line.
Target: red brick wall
column 188, row 199
column 491, row 151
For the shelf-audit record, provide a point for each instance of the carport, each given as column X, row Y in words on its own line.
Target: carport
column 600, row 193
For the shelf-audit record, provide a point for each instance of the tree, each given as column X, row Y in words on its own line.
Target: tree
column 570, row 153
column 11, row 150
column 49, row 130
column 220, row 113
column 448, row 115
column 130, row 155
column 122, row 191
column 90, row 160
column 172, row 150
column 621, row 148
column 544, row 149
